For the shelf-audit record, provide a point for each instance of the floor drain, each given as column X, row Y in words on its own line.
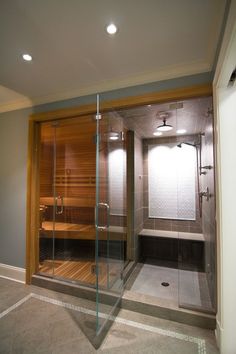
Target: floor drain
column 165, row 284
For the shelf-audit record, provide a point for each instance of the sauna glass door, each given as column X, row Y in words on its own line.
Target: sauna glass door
column 67, row 200
column 110, row 214
column 82, row 202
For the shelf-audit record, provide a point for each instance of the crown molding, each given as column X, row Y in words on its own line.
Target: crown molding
column 165, row 73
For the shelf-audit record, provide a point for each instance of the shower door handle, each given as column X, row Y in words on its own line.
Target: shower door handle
column 59, row 211
column 105, row 226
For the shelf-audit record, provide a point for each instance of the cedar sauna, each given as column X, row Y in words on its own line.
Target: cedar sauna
column 82, row 183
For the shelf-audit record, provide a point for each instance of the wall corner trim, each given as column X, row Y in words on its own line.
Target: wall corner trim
column 218, row 333
column 12, row 273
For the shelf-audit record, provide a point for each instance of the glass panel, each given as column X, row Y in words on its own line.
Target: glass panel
column 111, row 215
column 67, row 200
column 74, row 185
column 196, row 237
column 46, row 200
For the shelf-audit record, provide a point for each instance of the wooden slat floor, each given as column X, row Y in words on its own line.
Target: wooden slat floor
column 80, row 271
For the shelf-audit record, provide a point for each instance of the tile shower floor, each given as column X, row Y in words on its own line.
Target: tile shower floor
column 35, row 320
column 185, row 287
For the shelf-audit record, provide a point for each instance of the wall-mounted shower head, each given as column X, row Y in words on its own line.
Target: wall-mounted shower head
column 187, row 143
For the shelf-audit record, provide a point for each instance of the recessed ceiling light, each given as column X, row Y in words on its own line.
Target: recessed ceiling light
column 111, row 28
column 181, row 131
column 157, row 133
column 149, row 105
column 27, row 57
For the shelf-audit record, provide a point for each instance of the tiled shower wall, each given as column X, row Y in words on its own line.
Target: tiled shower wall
column 167, row 224
column 208, row 207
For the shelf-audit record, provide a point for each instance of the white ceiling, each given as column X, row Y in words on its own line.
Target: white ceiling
column 73, row 55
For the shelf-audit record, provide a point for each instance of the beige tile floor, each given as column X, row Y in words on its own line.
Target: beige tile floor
column 38, row 325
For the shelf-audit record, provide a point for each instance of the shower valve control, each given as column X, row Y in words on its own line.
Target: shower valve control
column 208, row 167
column 205, row 194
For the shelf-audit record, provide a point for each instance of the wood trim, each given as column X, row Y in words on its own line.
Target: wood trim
column 28, row 202
column 32, row 163
column 32, row 215
column 148, row 98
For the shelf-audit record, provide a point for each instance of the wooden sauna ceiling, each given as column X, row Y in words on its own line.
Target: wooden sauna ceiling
column 144, row 119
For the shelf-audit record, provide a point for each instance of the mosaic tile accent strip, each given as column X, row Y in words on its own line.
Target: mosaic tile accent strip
column 201, row 344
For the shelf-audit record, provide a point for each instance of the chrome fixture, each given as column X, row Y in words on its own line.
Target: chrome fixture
column 164, row 127
column 106, row 207
column 115, row 136
column 205, row 194
column 232, row 78
column 208, row 167
column 98, row 116
column 187, row 143
column 201, row 135
column 59, row 211
column 209, row 112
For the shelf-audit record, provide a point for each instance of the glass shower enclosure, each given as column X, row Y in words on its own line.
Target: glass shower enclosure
column 82, row 208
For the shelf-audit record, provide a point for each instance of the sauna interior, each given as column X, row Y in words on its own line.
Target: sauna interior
column 76, row 160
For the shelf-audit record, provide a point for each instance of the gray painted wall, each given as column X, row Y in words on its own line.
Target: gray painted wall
column 13, row 161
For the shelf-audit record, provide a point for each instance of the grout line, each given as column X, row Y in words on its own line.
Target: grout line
column 200, row 342
column 13, row 307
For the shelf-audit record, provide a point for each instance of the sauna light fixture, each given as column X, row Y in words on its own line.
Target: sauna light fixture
column 113, row 136
column 157, row 133
column 164, row 127
column 181, row 131
column 27, row 57
column 111, row 28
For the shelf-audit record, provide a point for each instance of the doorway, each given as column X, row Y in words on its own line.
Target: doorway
column 81, row 207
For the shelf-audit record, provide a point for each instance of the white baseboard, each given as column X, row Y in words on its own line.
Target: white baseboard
column 218, row 332
column 12, row 273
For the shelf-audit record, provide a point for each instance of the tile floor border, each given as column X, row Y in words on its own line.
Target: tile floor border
column 198, row 341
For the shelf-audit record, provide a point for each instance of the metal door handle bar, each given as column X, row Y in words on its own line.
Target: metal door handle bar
column 59, row 211
column 106, row 226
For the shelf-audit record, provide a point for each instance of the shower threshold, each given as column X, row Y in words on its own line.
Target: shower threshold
column 132, row 301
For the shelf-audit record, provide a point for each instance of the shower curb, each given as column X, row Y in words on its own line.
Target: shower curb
column 130, row 302
column 138, row 304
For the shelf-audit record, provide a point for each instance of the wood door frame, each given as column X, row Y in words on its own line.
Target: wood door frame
column 32, row 215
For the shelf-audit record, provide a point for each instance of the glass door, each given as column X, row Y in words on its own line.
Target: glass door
column 74, row 200
column 67, row 200
column 82, row 236
column 110, row 214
